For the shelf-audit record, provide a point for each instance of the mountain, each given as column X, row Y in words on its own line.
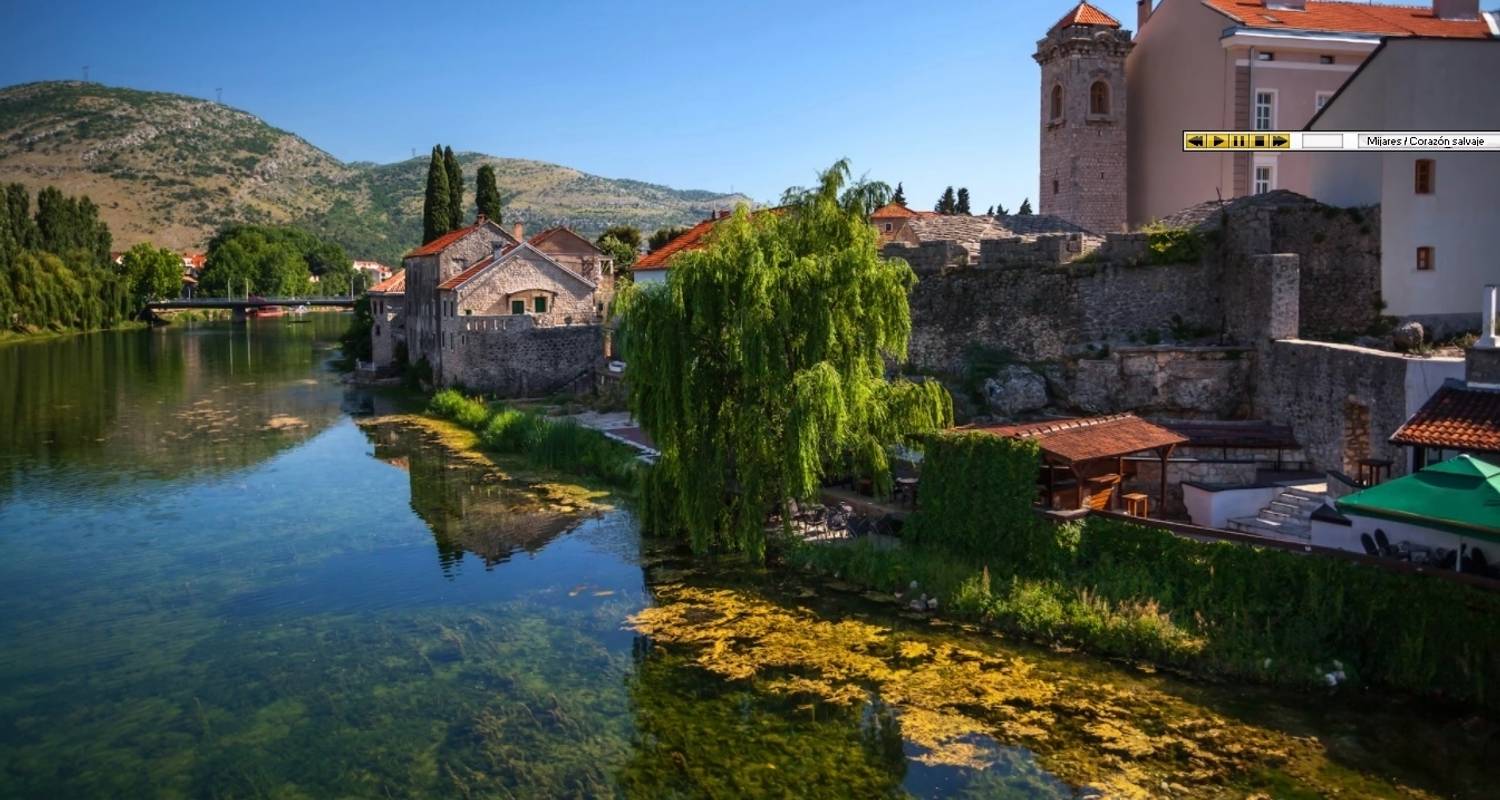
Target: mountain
column 173, row 170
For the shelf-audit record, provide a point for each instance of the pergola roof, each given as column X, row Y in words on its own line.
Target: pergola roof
column 1073, row 441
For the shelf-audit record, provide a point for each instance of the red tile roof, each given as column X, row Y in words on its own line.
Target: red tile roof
column 893, row 211
column 691, row 239
column 1086, row 439
column 1085, row 14
column 396, row 284
column 441, row 243
column 1370, row 19
column 1455, row 418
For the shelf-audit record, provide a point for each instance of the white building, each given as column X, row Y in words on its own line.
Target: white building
column 1440, row 241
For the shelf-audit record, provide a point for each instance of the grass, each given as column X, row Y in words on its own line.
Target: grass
column 563, row 445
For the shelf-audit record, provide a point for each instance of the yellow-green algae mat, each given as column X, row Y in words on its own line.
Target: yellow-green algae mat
column 951, row 697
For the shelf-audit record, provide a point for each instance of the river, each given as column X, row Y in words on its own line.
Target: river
column 221, row 577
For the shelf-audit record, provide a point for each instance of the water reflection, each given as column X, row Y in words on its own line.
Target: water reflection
column 100, row 410
column 470, row 506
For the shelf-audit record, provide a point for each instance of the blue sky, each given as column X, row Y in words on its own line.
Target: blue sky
column 753, row 96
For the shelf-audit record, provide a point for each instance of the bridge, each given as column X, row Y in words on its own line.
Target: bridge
column 243, row 304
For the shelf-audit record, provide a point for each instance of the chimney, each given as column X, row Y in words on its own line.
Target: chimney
column 518, row 232
column 1488, row 340
column 1455, row 9
column 1142, row 13
column 480, row 218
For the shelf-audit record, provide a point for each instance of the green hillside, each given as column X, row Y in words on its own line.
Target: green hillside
column 174, row 169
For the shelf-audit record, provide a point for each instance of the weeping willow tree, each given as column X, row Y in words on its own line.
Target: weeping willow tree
column 760, row 366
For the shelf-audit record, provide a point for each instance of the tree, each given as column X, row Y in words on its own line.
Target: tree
column 151, row 273
column 759, row 366
column 948, row 203
column 487, row 193
column 455, row 189
column 963, row 202
column 628, row 234
column 990, row 212
column 659, row 239
column 617, row 249
column 899, row 198
column 1025, row 208
column 1000, row 211
column 273, row 261
column 435, row 214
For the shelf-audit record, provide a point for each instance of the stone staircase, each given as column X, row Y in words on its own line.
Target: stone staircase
column 1287, row 517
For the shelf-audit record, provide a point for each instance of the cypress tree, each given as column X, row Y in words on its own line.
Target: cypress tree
column 435, row 214
column 487, row 192
column 963, row 202
column 1025, row 208
column 455, row 190
column 899, row 198
column 1000, row 211
column 948, row 203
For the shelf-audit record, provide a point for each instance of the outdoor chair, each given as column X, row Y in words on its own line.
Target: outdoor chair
column 1384, row 544
column 1446, row 559
column 1368, row 544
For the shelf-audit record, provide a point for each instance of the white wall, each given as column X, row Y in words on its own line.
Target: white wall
column 1423, row 85
column 1342, row 537
column 1214, row 509
column 647, row 277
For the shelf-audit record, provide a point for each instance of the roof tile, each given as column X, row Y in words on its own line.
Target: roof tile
column 1085, row 14
column 1335, row 17
column 396, row 284
column 1089, row 438
column 1455, row 418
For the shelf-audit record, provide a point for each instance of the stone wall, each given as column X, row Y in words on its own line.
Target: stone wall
column 1046, row 314
column 1343, row 402
column 389, row 329
column 1180, row 382
column 521, row 356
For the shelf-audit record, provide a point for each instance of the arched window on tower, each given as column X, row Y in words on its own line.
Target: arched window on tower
column 1057, row 100
column 1099, row 98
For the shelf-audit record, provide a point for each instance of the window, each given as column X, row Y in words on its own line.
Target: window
column 1325, row 59
column 1057, row 101
column 1424, row 259
column 1426, row 175
column 1055, row 186
column 888, row 227
column 1265, row 110
column 1265, row 56
column 1265, row 179
column 539, row 304
column 518, row 306
column 1099, row 98
column 1321, row 99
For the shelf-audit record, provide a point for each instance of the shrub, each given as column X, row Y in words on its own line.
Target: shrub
column 1172, row 245
column 557, row 444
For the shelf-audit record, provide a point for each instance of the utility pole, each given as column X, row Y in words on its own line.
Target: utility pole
column 219, row 95
column 85, row 73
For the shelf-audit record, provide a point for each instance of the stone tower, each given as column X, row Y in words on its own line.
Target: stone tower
column 1083, row 119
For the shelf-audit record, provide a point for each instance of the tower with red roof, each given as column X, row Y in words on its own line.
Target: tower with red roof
column 1083, row 120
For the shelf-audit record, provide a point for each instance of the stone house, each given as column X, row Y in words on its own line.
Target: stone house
column 387, row 299
column 493, row 311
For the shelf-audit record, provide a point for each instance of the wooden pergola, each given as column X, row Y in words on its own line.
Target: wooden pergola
column 1089, row 453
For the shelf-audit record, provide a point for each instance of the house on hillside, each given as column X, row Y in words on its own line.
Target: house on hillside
column 374, row 271
column 493, row 311
column 1438, row 240
column 1253, row 64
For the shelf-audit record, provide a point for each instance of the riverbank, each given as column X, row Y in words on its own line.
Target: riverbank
column 559, row 444
column 15, row 337
column 1218, row 611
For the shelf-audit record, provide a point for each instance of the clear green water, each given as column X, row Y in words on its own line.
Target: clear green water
column 214, row 583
